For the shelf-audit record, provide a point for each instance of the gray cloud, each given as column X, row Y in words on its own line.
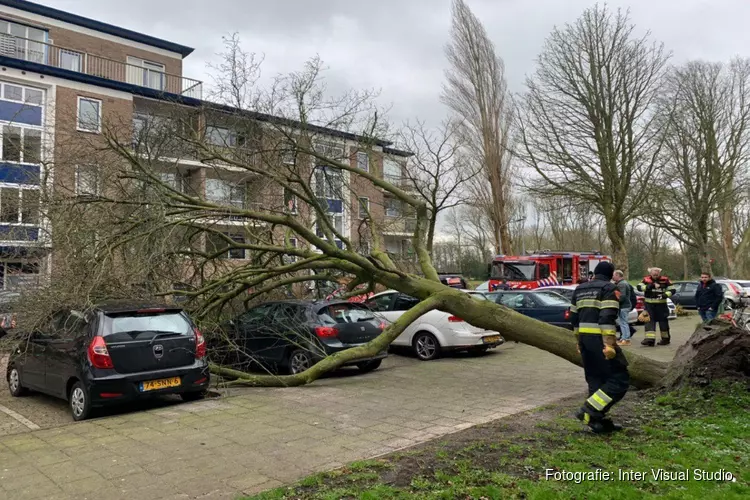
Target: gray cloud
column 397, row 45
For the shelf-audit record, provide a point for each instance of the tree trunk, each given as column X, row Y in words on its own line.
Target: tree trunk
column 727, row 240
column 616, row 234
column 685, row 274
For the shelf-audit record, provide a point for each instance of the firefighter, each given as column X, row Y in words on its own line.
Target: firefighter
column 656, row 290
column 593, row 313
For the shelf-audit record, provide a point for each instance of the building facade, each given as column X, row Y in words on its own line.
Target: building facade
column 64, row 76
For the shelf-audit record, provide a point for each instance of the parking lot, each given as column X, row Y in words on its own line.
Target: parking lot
column 253, row 439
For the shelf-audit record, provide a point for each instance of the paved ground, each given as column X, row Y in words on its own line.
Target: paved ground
column 256, row 439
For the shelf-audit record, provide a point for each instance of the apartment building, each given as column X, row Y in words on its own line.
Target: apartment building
column 64, row 75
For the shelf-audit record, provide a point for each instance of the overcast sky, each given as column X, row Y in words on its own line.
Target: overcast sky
column 396, row 46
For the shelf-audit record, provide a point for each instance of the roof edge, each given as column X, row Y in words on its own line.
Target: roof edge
column 100, row 26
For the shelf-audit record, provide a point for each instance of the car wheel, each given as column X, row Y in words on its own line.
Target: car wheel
column 80, row 404
column 193, row 396
column 426, row 346
column 369, row 366
column 299, row 361
column 14, row 383
column 728, row 304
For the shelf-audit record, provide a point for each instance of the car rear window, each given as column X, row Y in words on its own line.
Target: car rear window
column 168, row 322
column 552, row 299
column 345, row 313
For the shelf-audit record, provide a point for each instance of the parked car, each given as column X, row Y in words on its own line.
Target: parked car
column 290, row 336
column 564, row 290
column 109, row 354
column 734, row 294
column 745, row 286
column 436, row 331
column 7, row 316
column 685, row 295
column 546, row 306
column 453, row 280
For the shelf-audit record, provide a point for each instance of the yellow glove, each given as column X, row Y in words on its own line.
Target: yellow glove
column 609, row 352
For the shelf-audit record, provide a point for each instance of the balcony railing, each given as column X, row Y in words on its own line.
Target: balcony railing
column 400, row 226
column 90, row 64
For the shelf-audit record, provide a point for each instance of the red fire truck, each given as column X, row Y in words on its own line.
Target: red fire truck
column 544, row 269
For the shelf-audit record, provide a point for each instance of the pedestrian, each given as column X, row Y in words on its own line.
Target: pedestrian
column 623, row 288
column 656, row 290
column 593, row 313
column 708, row 297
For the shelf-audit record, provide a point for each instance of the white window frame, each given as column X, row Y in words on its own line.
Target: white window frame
column 27, row 41
column 328, row 189
column 295, row 203
column 138, row 72
column 99, row 118
column 363, row 159
column 393, row 212
column 97, row 180
column 361, row 205
column 22, row 188
column 393, row 171
column 22, row 152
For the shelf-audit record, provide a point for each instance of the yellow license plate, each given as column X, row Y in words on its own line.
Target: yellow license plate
column 492, row 339
column 155, row 385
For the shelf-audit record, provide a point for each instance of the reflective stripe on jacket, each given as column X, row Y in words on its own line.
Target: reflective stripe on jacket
column 595, row 307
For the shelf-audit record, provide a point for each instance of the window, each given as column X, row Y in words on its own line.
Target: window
column 11, row 143
column 23, row 42
column 89, row 115
column 364, row 247
column 87, row 180
column 364, row 207
column 13, row 93
column 363, row 161
column 217, row 242
column 146, row 73
column 34, row 96
column 328, row 183
column 544, row 271
column 404, row 303
column 392, row 207
column 171, row 179
column 219, row 136
column 19, row 206
column 690, row 289
column 69, row 59
column 222, row 192
column 391, row 171
column 381, row 303
column 290, row 202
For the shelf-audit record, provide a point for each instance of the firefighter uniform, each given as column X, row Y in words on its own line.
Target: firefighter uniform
column 593, row 313
column 656, row 307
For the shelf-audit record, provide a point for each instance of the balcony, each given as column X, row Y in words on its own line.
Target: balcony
column 102, row 67
column 399, row 226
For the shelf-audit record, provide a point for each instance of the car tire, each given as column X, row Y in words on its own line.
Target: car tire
column 193, row 396
column 79, row 402
column 17, row 390
column 729, row 304
column 369, row 366
column 426, row 346
column 299, row 360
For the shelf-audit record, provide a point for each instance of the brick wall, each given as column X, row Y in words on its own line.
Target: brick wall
column 74, row 40
column 362, row 187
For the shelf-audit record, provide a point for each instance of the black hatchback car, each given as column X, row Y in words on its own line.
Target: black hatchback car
column 112, row 353
column 291, row 336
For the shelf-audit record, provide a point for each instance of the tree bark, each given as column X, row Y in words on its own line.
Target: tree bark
column 727, row 240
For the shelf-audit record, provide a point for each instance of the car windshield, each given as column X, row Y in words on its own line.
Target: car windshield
column 551, row 299
column 744, row 284
column 508, row 299
column 478, row 296
column 170, row 323
column 345, row 313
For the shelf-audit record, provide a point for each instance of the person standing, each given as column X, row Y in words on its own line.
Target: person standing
column 656, row 290
column 623, row 288
column 708, row 297
column 593, row 313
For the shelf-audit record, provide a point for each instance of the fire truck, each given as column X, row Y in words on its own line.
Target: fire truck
column 544, row 269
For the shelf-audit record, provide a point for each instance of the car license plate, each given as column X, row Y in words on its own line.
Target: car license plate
column 492, row 339
column 155, row 385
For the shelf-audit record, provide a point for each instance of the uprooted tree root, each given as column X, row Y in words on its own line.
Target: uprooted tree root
column 718, row 351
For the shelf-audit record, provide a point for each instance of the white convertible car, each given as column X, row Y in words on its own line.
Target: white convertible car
column 435, row 331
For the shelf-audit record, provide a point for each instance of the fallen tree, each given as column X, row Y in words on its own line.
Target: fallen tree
column 295, row 167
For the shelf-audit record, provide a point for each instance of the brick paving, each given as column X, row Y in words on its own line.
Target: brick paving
column 256, row 439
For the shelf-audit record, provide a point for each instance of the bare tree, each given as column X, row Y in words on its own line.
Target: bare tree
column 587, row 124
column 438, row 169
column 476, row 91
column 706, row 113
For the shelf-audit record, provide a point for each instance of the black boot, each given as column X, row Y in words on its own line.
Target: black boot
column 648, row 342
column 664, row 340
column 610, row 426
column 596, row 425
